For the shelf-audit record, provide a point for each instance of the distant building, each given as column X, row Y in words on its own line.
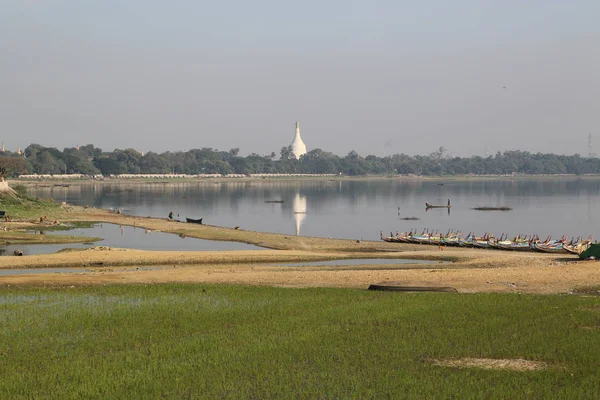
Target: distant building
column 298, row 146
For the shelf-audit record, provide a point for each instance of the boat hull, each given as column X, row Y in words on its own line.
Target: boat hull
column 555, row 249
column 513, row 246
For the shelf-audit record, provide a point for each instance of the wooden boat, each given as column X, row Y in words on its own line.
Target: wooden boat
column 404, row 238
column 424, row 237
column 391, row 239
column 407, row 237
column 194, row 221
column 420, row 239
column 487, row 241
column 451, row 241
column 466, row 242
column 571, row 249
column 427, row 205
column 473, row 241
column 512, row 245
column 482, row 244
column 437, row 240
column 577, row 247
column 549, row 248
column 397, row 238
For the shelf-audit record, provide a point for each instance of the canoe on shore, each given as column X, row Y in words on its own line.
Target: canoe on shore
column 194, row 221
column 488, row 241
column 555, row 248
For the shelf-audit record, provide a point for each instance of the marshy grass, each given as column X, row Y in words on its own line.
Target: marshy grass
column 19, row 237
column 217, row 341
column 23, row 207
column 66, row 226
column 591, row 290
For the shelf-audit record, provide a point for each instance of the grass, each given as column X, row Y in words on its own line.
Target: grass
column 592, row 290
column 65, row 226
column 23, row 207
column 14, row 237
column 203, row 341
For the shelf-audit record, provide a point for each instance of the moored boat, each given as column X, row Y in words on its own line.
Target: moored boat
column 420, row 239
column 482, row 244
column 488, row 241
column 512, row 245
column 473, row 241
column 427, row 205
column 549, row 248
column 577, row 247
column 451, row 241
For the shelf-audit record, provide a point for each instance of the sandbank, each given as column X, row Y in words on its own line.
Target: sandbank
column 470, row 270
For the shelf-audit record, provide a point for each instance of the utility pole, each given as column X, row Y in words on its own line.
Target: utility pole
column 591, row 154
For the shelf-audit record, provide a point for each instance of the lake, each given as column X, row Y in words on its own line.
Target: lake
column 359, row 209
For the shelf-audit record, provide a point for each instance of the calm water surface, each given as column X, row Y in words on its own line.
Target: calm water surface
column 359, row 209
column 126, row 237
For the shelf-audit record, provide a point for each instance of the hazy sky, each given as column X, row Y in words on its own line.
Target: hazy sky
column 379, row 77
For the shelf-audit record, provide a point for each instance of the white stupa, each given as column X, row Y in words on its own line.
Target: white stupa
column 298, row 146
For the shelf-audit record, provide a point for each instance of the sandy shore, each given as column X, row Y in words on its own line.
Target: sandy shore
column 471, row 270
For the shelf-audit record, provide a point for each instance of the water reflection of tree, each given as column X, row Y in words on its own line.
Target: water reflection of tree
column 210, row 195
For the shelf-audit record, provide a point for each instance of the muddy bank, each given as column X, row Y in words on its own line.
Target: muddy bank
column 472, row 270
column 537, row 279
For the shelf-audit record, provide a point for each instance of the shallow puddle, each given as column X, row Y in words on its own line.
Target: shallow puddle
column 355, row 261
column 360, row 261
column 37, row 271
column 128, row 237
column 27, row 271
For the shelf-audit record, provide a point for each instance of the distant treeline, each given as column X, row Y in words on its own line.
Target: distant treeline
column 91, row 160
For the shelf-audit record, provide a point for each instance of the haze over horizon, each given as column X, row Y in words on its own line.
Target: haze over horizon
column 384, row 78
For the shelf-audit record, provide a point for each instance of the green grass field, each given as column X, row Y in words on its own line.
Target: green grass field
column 213, row 341
column 23, row 207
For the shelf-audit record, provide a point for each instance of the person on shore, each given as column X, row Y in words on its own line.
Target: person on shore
column 171, row 216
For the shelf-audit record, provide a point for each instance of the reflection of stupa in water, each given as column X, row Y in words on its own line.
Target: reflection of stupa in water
column 299, row 207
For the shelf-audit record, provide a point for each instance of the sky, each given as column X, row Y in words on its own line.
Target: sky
column 379, row 77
